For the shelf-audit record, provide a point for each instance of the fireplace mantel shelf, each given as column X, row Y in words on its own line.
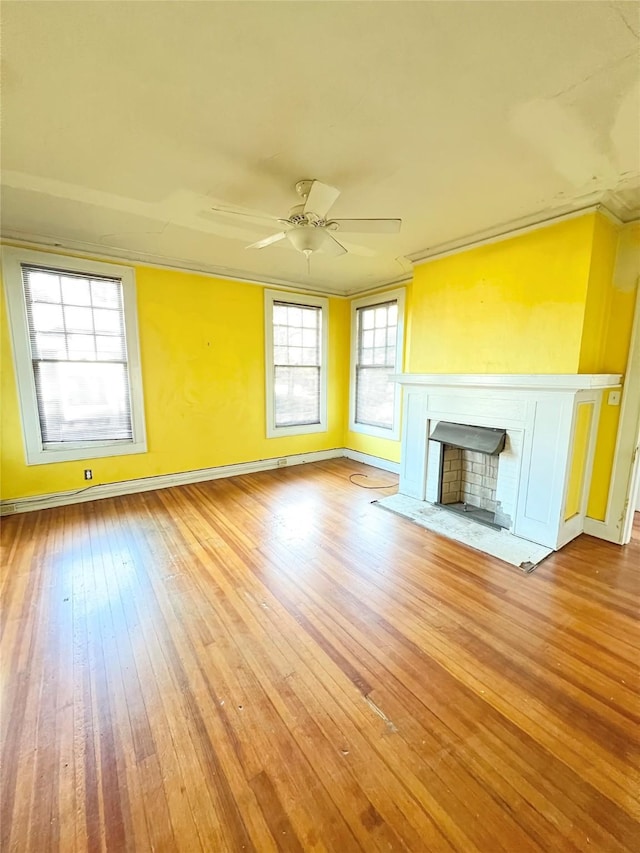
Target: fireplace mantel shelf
column 540, row 381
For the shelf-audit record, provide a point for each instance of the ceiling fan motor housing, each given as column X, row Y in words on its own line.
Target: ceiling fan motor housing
column 297, row 216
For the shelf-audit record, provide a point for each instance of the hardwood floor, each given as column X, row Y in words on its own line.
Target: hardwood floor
column 271, row 662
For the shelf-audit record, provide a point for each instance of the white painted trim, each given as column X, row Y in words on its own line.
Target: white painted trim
column 541, row 381
column 626, row 463
column 512, row 228
column 35, row 454
column 78, row 248
column 398, row 295
column 163, row 481
column 374, row 461
column 270, row 297
column 371, row 289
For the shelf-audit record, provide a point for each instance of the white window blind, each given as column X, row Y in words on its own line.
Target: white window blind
column 78, row 355
column 375, row 363
column 297, row 360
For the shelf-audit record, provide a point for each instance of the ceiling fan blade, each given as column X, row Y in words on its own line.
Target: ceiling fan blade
column 267, row 241
column 320, row 199
column 368, row 226
column 221, row 209
column 362, row 251
column 331, row 246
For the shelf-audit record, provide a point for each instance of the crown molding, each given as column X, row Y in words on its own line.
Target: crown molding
column 374, row 288
column 505, row 231
column 609, row 205
column 78, row 248
column 613, row 204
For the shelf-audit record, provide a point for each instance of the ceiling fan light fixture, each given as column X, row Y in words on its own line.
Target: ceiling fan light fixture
column 306, row 239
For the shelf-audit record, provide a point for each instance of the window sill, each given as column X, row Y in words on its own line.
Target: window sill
column 302, row 429
column 38, row 456
column 375, row 432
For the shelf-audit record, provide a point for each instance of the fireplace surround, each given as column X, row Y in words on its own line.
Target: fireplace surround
column 543, row 474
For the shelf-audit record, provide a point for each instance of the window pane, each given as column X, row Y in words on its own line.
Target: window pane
column 281, row 355
column 280, row 336
column 297, row 395
column 47, row 318
column 294, row 336
column 380, row 337
column 78, row 319
column 50, row 346
column 302, row 340
column 106, row 294
column 44, row 286
column 75, row 291
column 280, row 315
column 310, row 338
column 81, row 347
column 110, row 348
column 381, row 317
column 367, row 316
column 83, row 402
column 375, row 396
column 107, row 322
column 310, row 319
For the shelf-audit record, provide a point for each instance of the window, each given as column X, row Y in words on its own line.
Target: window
column 376, row 354
column 74, row 332
column 296, row 347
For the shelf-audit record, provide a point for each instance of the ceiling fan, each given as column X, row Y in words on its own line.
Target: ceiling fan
column 308, row 229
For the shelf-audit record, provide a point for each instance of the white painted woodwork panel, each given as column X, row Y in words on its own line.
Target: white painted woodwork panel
column 432, row 486
column 414, row 445
column 457, row 408
column 545, row 462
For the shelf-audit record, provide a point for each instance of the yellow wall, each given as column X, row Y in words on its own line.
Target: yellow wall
column 577, row 470
column 515, row 306
column 599, row 297
column 202, row 352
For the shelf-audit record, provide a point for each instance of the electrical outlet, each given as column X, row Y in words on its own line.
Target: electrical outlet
column 614, row 398
column 88, row 474
column 282, row 463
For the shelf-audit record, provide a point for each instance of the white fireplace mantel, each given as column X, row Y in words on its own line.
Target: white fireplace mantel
column 546, row 381
column 551, row 422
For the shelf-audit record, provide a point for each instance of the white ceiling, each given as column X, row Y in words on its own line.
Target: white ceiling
column 124, row 124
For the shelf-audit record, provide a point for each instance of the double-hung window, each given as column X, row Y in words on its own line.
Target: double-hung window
column 376, row 354
column 74, row 333
column 296, row 362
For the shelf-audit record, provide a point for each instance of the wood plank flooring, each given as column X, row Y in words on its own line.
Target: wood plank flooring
column 271, row 662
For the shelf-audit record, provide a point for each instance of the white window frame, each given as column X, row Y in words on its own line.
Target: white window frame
column 271, row 296
column 35, row 453
column 398, row 296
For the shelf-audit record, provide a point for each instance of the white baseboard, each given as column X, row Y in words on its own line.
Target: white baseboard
column 599, row 529
column 374, row 461
column 162, row 481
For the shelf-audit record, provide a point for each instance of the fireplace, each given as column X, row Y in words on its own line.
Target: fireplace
column 468, row 471
column 468, row 482
column 516, row 451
